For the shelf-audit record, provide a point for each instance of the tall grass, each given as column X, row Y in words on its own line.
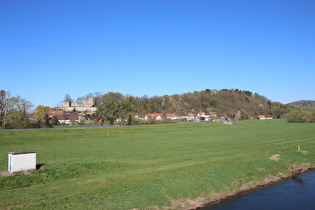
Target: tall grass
column 154, row 165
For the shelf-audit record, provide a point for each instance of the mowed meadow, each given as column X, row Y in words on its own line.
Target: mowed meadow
column 152, row 166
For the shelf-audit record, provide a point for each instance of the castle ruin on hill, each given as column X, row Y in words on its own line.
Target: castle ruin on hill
column 86, row 106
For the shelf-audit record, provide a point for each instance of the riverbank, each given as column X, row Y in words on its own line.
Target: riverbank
column 202, row 201
column 292, row 172
column 292, row 193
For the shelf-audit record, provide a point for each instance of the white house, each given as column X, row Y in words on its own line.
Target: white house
column 191, row 116
column 158, row 117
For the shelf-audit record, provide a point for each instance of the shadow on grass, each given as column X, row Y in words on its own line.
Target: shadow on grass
column 38, row 166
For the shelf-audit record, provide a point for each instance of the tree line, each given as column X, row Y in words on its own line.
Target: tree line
column 14, row 111
column 234, row 103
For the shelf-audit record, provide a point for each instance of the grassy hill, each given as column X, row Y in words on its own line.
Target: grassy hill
column 150, row 166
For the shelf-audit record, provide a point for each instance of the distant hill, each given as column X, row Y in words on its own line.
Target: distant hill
column 303, row 104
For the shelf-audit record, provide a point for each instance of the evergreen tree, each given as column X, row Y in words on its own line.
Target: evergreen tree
column 130, row 120
column 55, row 120
column 46, row 122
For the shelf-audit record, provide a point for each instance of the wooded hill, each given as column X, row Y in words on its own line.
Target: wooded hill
column 303, row 104
column 224, row 102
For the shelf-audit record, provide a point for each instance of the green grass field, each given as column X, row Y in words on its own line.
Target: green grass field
column 149, row 166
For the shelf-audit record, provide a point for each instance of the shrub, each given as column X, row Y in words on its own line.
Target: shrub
column 312, row 117
column 297, row 116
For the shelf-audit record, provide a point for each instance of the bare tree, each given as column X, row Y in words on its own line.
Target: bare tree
column 68, row 98
column 16, row 109
column 80, row 100
column 98, row 98
column 89, row 95
column 59, row 104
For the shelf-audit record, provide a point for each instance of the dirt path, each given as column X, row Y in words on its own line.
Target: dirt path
column 5, row 173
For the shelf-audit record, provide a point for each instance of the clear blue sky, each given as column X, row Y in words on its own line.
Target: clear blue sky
column 54, row 47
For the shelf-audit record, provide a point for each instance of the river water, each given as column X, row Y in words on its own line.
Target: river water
column 293, row 193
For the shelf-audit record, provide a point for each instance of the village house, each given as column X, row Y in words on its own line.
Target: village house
column 156, row 116
column 53, row 113
column 173, row 116
column 184, row 117
column 160, row 116
column 80, row 117
column 201, row 114
column 207, row 116
column 191, row 116
column 149, row 116
column 67, row 118
column 140, row 118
